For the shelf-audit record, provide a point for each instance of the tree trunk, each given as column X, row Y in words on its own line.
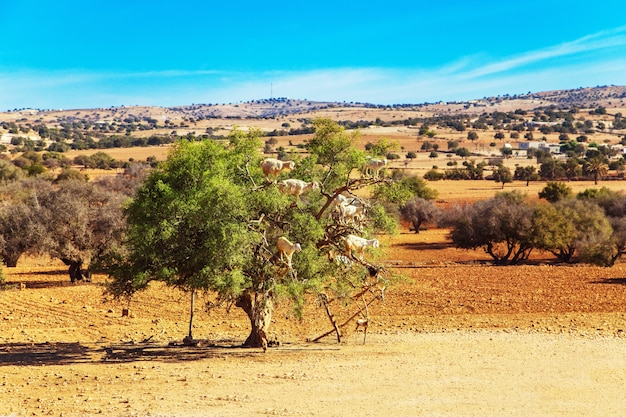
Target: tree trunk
column 191, row 309
column 259, row 308
column 75, row 271
column 10, row 259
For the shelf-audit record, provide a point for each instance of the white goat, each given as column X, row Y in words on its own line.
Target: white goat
column 286, row 249
column 358, row 244
column 342, row 199
column 374, row 165
column 273, row 166
column 351, row 212
column 296, row 187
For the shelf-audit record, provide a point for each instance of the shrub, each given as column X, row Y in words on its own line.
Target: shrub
column 433, row 175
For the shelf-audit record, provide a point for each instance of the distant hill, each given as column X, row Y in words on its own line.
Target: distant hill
column 590, row 97
column 269, row 108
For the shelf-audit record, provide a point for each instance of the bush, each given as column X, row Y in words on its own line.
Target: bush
column 433, row 175
column 501, row 226
column 555, row 191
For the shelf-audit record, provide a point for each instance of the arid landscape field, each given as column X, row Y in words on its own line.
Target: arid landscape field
column 455, row 336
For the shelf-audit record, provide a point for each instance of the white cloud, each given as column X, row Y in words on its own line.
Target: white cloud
column 591, row 43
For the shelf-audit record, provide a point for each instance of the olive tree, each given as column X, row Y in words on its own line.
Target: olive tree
column 419, row 211
column 75, row 221
column 83, row 221
column 501, row 226
column 614, row 205
column 206, row 220
column 572, row 226
column 502, row 174
column 21, row 227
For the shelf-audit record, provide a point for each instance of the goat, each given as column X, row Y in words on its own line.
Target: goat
column 273, row 166
column 358, row 244
column 351, row 212
column 374, row 165
column 342, row 199
column 296, row 187
column 286, row 249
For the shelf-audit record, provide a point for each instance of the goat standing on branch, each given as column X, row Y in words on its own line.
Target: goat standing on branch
column 358, row 244
column 273, row 166
column 296, row 187
column 372, row 166
column 351, row 212
column 286, row 249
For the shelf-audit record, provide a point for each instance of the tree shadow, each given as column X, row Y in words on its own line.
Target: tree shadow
column 42, row 284
column 423, row 246
column 175, row 352
column 46, row 273
column 613, row 281
column 61, row 353
column 44, row 354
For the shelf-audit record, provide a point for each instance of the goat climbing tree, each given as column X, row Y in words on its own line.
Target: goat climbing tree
column 208, row 220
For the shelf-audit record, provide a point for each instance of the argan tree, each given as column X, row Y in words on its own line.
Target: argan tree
column 206, row 220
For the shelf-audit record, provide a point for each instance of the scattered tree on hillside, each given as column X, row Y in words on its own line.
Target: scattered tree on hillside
column 555, row 191
column 525, row 173
column 503, row 175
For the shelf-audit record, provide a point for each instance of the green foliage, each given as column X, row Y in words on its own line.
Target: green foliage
column 383, row 147
column 9, row 172
column 206, row 220
column 503, row 175
column 590, row 230
column 398, row 192
column 555, row 191
column 525, row 173
column 462, row 152
column 433, row 175
column 335, row 151
column 572, row 226
column 501, row 226
column 553, row 232
column 381, row 219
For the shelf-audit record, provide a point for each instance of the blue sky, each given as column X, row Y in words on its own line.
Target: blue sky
column 78, row 54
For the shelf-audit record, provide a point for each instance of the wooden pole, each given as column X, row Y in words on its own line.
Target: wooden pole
column 193, row 299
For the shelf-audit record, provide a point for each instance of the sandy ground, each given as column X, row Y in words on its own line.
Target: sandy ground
column 462, row 373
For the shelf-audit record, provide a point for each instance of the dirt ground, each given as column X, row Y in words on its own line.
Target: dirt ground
column 457, row 337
